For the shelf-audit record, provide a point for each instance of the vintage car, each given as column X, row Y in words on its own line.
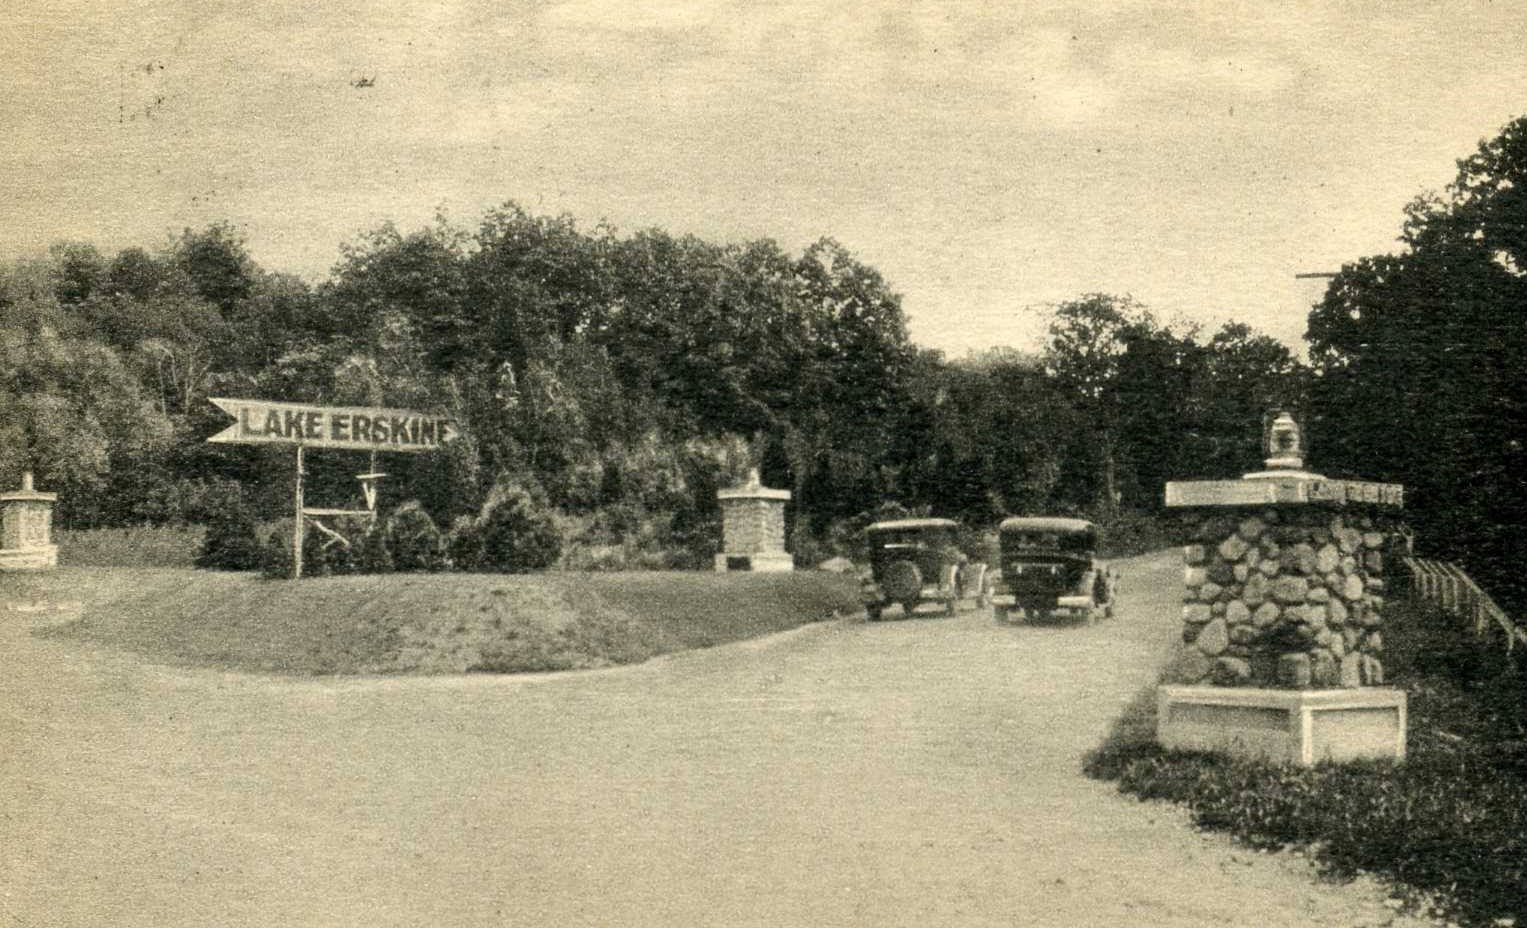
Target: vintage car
column 1047, row 567
column 915, row 561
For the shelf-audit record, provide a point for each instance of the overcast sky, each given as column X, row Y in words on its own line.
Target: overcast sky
column 987, row 158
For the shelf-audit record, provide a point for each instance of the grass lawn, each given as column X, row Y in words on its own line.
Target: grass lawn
column 1448, row 826
column 425, row 623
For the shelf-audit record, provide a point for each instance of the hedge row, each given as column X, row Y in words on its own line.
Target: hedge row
column 514, row 533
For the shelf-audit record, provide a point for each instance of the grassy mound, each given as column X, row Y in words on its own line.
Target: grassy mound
column 1448, row 826
column 426, row 623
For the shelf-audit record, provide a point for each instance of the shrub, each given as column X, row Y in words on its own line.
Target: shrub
column 805, row 550
column 318, row 556
column 344, row 554
column 1440, row 825
column 625, row 537
column 139, row 546
column 979, row 543
column 464, row 545
column 1127, row 532
column 232, row 541
column 518, row 534
column 321, row 555
column 276, row 552
column 412, row 541
column 371, row 554
column 1449, row 825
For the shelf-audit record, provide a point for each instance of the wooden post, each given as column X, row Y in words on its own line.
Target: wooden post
column 297, row 523
column 371, row 502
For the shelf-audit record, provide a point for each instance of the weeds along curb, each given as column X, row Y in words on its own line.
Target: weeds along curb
column 1448, row 827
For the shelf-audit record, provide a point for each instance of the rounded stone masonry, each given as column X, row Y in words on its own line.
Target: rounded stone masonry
column 26, row 529
column 1283, row 579
column 1283, row 595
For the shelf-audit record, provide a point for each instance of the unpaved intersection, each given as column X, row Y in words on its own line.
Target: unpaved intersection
column 921, row 772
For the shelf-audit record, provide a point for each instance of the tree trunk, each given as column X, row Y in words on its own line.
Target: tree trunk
column 1110, row 488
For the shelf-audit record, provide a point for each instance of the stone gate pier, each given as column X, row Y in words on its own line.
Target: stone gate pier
column 1283, row 595
column 26, row 528
column 753, row 527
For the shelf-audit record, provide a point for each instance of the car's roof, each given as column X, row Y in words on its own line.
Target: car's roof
column 912, row 523
column 1045, row 524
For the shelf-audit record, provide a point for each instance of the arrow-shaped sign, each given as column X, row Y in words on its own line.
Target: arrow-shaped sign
column 262, row 422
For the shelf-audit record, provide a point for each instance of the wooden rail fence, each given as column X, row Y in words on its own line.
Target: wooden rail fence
column 1446, row 585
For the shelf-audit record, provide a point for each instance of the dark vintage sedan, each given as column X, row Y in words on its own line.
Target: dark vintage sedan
column 1049, row 566
column 915, row 561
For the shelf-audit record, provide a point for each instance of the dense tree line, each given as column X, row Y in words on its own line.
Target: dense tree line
column 1420, row 359
column 621, row 379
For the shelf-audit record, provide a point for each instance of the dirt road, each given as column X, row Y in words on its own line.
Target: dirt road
column 921, row 772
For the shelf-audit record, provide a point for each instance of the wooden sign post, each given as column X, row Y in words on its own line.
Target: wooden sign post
column 265, row 422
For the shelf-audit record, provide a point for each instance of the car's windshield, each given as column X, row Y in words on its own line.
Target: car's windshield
column 908, row 538
column 1073, row 543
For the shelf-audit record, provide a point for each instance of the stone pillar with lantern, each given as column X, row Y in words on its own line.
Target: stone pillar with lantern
column 26, row 528
column 1283, row 595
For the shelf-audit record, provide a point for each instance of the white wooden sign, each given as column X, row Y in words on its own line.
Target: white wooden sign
column 263, row 422
column 266, row 422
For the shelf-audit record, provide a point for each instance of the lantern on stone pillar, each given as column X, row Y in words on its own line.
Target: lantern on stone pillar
column 1285, row 444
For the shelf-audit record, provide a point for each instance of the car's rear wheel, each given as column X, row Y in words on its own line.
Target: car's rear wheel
column 873, row 612
column 902, row 582
column 909, row 606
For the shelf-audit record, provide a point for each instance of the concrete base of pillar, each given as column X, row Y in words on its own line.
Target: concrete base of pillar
column 41, row 557
column 1298, row 726
column 758, row 561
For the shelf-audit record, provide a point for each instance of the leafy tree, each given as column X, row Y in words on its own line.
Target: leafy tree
column 217, row 265
column 1246, row 376
column 280, row 312
column 1088, row 340
column 1028, row 424
column 137, row 274
column 854, row 363
column 1160, row 388
column 671, row 335
column 72, row 412
column 1418, row 359
column 29, row 298
column 534, row 280
column 420, row 277
column 80, row 269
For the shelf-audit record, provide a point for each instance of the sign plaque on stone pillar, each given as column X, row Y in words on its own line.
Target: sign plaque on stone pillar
column 26, row 528
column 1283, row 592
column 753, row 528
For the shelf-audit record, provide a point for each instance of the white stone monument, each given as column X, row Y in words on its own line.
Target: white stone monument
column 26, row 528
column 753, row 528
